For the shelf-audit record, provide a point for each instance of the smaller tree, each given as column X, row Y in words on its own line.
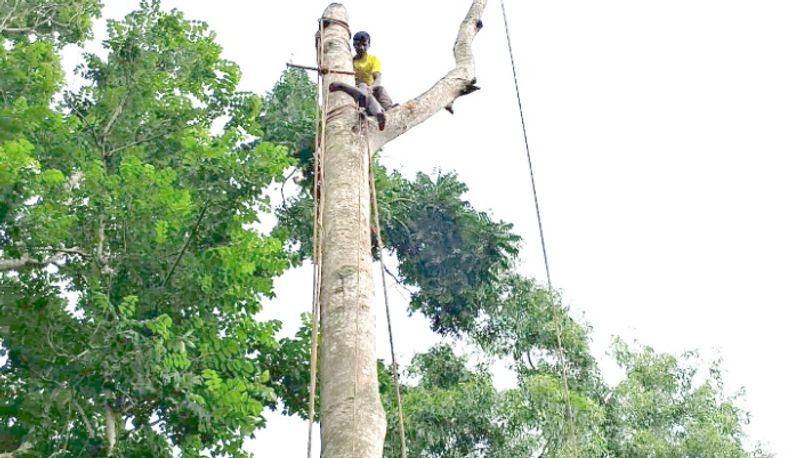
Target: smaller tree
column 665, row 408
column 452, row 411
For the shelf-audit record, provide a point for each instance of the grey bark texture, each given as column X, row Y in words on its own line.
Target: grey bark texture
column 353, row 422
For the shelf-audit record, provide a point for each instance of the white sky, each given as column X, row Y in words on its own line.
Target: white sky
column 665, row 140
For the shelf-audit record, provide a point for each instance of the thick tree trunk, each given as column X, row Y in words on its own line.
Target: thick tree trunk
column 353, row 423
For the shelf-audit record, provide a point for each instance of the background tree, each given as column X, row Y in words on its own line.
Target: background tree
column 667, row 406
column 451, row 408
column 131, row 272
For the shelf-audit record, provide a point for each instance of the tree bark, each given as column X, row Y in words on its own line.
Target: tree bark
column 353, row 422
column 111, row 419
column 27, row 261
column 19, row 451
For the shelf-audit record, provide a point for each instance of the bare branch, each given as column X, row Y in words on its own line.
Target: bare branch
column 111, row 429
column 8, row 17
column 112, row 120
column 186, row 244
column 397, row 280
column 145, row 140
column 19, row 451
column 73, row 250
column 530, row 360
column 86, row 422
column 24, row 262
column 459, row 81
column 101, row 239
column 27, row 261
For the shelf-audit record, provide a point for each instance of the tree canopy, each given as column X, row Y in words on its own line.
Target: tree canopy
column 132, row 271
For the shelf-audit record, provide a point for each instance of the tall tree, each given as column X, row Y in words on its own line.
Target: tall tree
column 130, row 270
column 352, row 417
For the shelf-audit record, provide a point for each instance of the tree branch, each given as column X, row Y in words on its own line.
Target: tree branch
column 8, row 17
column 186, row 244
column 24, row 447
column 24, row 262
column 145, row 140
column 397, row 280
column 86, row 422
column 27, row 261
column 458, row 81
column 110, row 125
column 111, row 429
column 100, row 257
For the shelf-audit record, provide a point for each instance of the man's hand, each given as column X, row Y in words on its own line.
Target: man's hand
column 376, row 79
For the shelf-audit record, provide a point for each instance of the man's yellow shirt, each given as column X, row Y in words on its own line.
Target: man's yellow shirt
column 365, row 67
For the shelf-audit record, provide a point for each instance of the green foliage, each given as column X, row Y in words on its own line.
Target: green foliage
column 451, row 252
column 144, row 318
column 291, row 371
column 289, row 116
column 64, row 21
column 522, row 325
column 661, row 409
column 664, row 408
column 449, row 417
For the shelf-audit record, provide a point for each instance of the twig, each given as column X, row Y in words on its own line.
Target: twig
column 146, row 139
column 114, row 115
column 8, row 16
column 186, row 243
column 283, row 185
column 397, row 280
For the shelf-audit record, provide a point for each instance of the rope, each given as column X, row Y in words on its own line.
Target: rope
column 329, row 21
column 395, row 378
column 356, row 348
column 557, row 324
column 319, row 144
column 319, row 203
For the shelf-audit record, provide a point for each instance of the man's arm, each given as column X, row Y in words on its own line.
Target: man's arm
column 376, row 79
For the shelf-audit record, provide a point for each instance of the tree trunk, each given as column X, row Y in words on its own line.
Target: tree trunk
column 353, row 422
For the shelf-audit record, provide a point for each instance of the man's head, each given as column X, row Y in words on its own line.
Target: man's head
column 361, row 41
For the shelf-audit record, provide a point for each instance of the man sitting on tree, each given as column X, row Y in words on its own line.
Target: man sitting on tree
column 369, row 92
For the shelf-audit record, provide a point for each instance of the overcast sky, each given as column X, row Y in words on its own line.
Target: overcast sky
column 665, row 137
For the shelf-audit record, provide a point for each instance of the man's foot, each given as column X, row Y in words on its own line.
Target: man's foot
column 381, row 117
column 362, row 100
